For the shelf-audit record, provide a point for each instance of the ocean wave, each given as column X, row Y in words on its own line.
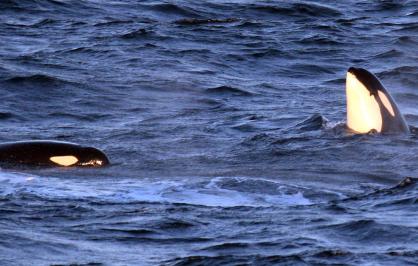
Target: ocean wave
column 114, row 21
column 36, row 80
column 173, row 9
column 6, row 115
column 403, row 71
column 134, row 34
column 361, row 230
column 320, row 40
column 227, row 90
column 392, row 53
column 300, row 9
column 195, row 21
column 236, row 260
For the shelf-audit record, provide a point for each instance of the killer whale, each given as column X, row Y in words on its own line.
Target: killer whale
column 50, row 153
column 370, row 108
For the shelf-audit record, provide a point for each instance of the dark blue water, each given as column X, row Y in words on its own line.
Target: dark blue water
column 224, row 122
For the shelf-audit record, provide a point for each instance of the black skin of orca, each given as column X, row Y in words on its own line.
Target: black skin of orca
column 38, row 153
column 390, row 124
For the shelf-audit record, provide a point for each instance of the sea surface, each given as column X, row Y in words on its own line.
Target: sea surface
column 224, row 123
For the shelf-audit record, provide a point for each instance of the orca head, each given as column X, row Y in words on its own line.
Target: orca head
column 83, row 156
column 93, row 157
column 370, row 108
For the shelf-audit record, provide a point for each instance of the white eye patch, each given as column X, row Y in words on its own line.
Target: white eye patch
column 386, row 103
column 65, row 160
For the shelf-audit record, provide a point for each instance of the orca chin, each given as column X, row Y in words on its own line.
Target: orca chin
column 370, row 108
column 45, row 153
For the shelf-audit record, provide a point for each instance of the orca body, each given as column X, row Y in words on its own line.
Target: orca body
column 51, row 153
column 370, row 108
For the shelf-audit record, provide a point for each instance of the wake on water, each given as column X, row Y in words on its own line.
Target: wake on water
column 221, row 192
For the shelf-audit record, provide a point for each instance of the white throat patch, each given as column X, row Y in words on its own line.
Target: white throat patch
column 363, row 111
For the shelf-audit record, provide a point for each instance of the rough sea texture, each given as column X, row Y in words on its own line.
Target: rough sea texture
column 224, row 122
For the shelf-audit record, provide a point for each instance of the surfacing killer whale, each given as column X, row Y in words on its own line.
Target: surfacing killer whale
column 45, row 153
column 370, row 108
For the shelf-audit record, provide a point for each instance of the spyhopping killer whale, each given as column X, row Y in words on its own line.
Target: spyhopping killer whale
column 370, row 108
column 51, row 153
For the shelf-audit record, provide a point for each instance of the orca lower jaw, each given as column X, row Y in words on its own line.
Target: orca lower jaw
column 94, row 163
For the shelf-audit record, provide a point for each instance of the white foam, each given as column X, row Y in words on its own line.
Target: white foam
column 211, row 193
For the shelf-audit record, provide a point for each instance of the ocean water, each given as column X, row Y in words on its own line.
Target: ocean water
column 224, row 123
